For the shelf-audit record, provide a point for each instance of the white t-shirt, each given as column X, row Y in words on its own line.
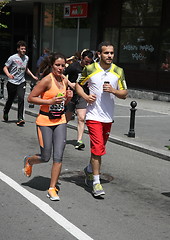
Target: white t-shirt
column 103, row 108
column 17, row 67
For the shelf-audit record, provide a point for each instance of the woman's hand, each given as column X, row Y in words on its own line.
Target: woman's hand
column 56, row 100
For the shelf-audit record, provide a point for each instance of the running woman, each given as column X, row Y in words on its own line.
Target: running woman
column 52, row 95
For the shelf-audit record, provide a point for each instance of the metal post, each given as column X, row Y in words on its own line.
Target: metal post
column 2, row 88
column 78, row 29
column 131, row 132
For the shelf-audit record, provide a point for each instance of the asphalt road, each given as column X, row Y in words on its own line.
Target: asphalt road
column 137, row 186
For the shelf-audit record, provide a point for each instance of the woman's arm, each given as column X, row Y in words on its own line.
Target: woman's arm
column 69, row 93
column 34, row 96
column 42, row 86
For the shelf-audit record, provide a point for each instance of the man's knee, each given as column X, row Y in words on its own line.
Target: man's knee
column 81, row 119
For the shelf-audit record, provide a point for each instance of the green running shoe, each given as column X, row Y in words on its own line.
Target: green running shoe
column 98, row 190
column 79, row 145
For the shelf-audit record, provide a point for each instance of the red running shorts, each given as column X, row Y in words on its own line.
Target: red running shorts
column 99, row 134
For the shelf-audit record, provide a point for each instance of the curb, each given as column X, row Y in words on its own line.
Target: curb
column 152, row 151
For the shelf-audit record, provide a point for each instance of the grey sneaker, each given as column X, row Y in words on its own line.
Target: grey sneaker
column 79, row 145
column 98, row 190
column 88, row 178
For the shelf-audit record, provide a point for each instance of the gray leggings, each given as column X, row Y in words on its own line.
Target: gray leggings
column 52, row 137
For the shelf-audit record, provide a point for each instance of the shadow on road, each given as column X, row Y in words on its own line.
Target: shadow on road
column 71, row 142
column 78, row 178
column 39, row 183
column 167, row 194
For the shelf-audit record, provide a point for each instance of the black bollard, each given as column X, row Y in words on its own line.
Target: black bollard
column 2, row 87
column 131, row 132
column 32, row 84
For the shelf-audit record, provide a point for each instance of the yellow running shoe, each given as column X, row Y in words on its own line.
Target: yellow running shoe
column 52, row 194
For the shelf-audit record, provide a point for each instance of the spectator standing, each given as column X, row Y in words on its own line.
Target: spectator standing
column 40, row 60
column 78, row 103
column 46, row 53
column 51, row 121
column 15, row 68
column 105, row 82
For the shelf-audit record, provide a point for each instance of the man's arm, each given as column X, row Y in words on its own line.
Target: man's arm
column 31, row 74
column 120, row 93
column 5, row 69
column 80, row 91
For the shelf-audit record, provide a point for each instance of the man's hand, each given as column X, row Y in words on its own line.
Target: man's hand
column 91, row 98
column 36, row 78
column 107, row 87
column 10, row 76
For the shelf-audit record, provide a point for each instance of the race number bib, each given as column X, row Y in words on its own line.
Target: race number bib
column 55, row 111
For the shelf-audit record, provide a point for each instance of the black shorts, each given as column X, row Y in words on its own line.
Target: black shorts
column 76, row 103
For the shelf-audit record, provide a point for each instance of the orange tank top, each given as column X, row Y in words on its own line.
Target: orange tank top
column 43, row 120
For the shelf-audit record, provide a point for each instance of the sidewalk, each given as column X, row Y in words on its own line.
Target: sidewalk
column 152, row 128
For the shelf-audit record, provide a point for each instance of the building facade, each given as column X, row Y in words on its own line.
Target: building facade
column 139, row 29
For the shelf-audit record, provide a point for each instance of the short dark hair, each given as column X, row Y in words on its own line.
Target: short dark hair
column 106, row 44
column 88, row 54
column 21, row 43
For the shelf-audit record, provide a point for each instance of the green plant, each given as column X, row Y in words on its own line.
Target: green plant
column 2, row 5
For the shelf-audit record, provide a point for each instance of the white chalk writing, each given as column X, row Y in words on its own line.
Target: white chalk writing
column 130, row 47
column 138, row 51
column 138, row 56
column 146, row 48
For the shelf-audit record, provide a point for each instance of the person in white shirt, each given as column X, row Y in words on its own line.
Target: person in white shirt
column 105, row 82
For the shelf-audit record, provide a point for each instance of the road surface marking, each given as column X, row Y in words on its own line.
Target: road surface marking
column 58, row 218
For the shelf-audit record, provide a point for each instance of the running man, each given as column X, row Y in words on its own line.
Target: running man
column 105, row 81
